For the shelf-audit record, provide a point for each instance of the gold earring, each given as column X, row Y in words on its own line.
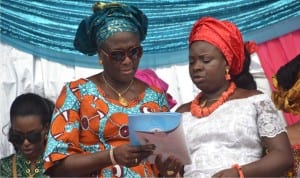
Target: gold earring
column 46, row 136
column 227, row 75
column 100, row 61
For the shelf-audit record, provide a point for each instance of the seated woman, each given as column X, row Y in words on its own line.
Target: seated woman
column 89, row 133
column 229, row 122
column 286, row 97
column 30, row 116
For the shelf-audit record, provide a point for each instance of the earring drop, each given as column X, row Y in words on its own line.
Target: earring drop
column 100, row 62
column 227, row 75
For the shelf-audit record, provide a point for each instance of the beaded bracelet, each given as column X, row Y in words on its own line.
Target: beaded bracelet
column 111, row 155
column 239, row 169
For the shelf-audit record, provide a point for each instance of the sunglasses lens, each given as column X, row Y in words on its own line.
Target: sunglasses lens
column 117, row 56
column 135, row 53
column 17, row 139
column 34, row 137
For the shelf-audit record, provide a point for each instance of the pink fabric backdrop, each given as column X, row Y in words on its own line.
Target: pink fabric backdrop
column 275, row 53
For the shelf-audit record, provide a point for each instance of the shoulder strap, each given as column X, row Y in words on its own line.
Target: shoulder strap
column 14, row 166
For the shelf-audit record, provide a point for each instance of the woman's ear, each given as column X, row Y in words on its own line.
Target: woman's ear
column 9, row 134
column 100, row 62
column 100, row 57
column 45, row 132
column 46, row 128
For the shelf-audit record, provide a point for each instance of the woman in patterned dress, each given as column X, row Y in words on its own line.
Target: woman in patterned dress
column 230, row 122
column 89, row 129
column 286, row 97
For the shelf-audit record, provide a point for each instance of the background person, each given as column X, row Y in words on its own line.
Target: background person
column 286, row 97
column 229, row 123
column 30, row 116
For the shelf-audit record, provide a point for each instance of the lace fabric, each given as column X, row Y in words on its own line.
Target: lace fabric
column 230, row 135
column 268, row 123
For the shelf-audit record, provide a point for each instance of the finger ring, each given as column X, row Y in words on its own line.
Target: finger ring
column 136, row 160
column 170, row 172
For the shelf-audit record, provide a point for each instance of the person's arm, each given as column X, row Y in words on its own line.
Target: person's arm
column 275, row 139
column 294, row 133
column 273, row 164
column 276, row 162
column 78, row 165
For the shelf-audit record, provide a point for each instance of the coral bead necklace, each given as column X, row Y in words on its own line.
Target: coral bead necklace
column 199, row 110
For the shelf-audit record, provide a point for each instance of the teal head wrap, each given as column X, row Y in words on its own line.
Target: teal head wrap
column 108, row 19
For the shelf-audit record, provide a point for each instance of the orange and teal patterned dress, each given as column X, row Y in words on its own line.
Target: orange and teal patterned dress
column 86, row 121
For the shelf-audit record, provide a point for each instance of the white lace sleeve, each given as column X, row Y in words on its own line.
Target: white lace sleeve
column 268, row 120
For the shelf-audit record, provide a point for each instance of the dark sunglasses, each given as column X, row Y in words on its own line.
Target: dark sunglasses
column 133, row 53
column 32, row 137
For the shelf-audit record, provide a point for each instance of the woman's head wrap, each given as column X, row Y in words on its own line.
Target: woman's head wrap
column 225, row 36
column 108, row 19
column 286, row 95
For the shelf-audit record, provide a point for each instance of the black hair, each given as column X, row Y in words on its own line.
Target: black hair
column 31, row 104
column 287, row 74
column 50, row 104
column 245, row 79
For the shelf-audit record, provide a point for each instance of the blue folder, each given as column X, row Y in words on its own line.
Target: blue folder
column 152, row 122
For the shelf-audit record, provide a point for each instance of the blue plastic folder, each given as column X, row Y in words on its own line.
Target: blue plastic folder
column 164, row 129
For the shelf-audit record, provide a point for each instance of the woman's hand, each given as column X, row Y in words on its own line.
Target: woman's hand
column 168, row 168
column 232, row 172
column 129, row 156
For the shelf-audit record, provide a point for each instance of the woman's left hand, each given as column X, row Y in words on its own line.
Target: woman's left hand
column 168, row 168
column 232, row 172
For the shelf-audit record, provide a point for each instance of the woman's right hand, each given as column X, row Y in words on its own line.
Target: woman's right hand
column 171, row 167
column 130, row 156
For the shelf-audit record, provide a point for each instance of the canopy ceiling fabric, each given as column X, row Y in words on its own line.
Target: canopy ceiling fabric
column 46, row 28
